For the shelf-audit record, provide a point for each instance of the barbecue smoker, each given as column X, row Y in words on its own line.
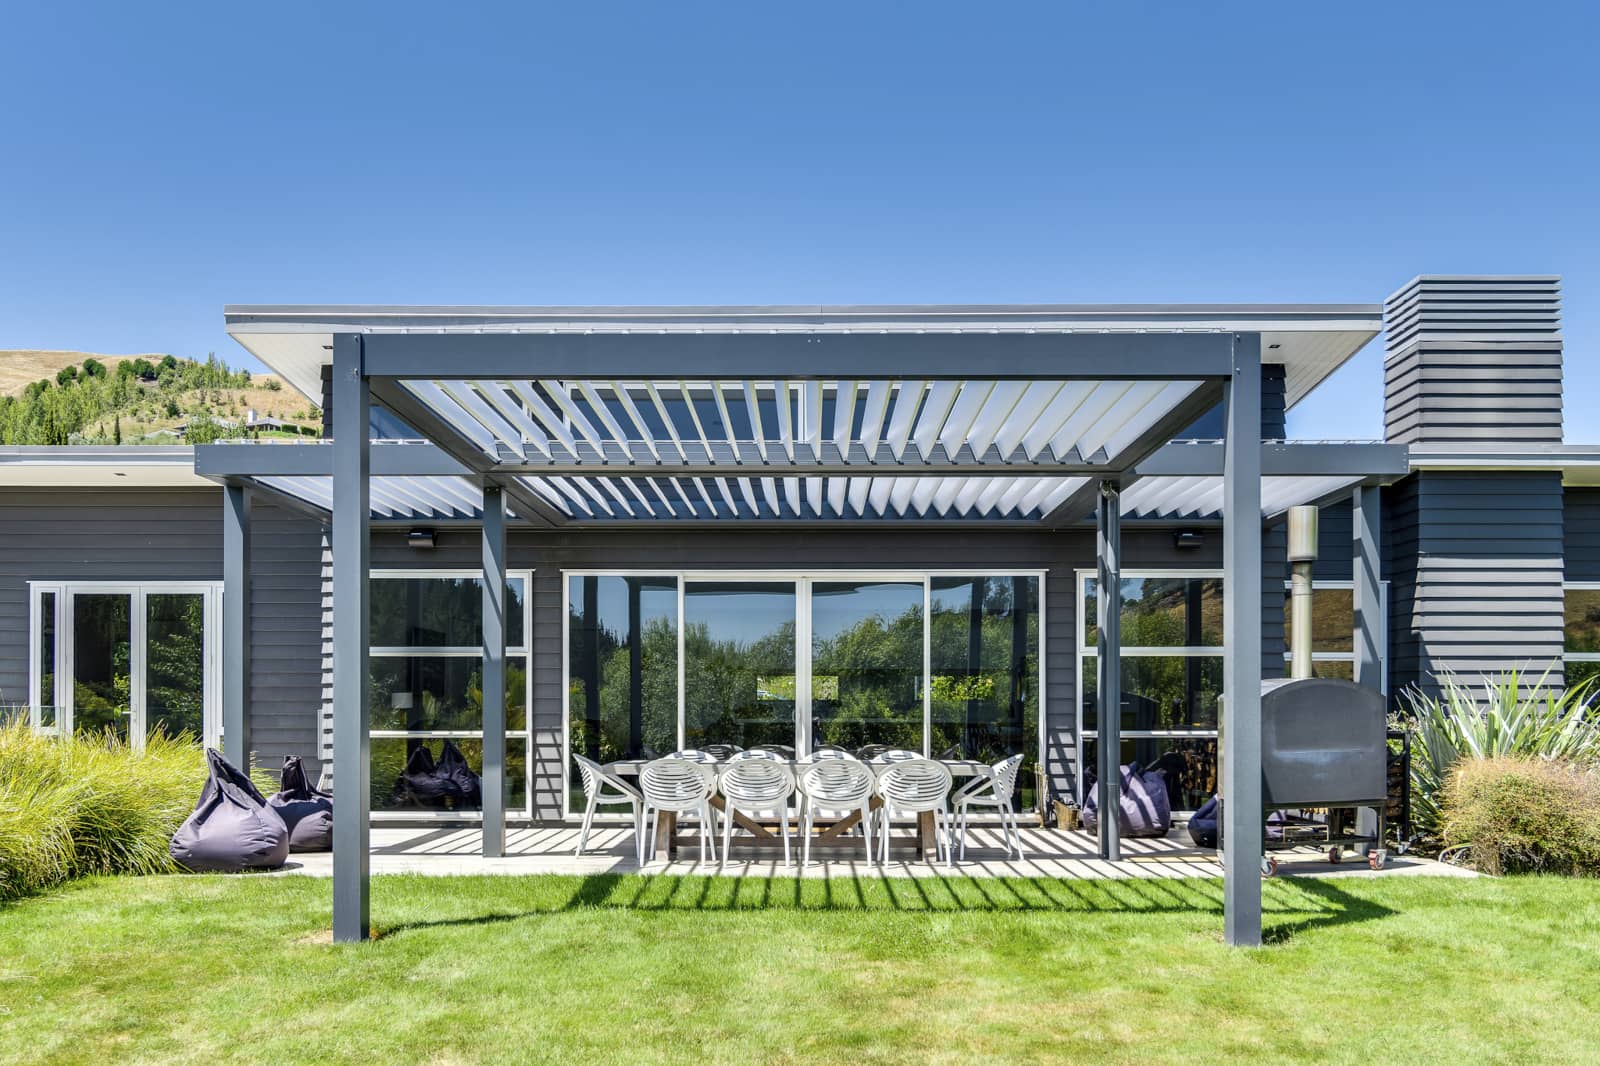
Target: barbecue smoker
column 1324, row 741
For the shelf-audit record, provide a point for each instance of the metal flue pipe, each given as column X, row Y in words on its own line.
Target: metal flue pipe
column 1302, row 554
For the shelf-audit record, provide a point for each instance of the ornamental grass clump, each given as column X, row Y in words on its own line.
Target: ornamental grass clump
column 1506, row 717
column 1513, row 814
column 73, row 806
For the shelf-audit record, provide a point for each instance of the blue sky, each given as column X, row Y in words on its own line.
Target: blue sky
column 163, row 160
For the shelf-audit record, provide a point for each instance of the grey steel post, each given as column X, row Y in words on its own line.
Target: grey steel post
column 494, row 672
column 1367, row 596
column 1108, row 665
column 236, row 624
column 1241, row 619
column 352, row 769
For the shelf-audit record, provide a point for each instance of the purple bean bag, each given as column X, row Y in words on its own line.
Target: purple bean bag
column 307, row 811
column 232, row 827
column 1143, row 808
column 448, row 784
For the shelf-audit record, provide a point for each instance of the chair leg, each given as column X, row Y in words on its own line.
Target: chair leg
column 805, row 837
column 727, row 838
column 866, row 833
column 588, row 820
column 962, row 816
column 787, row 861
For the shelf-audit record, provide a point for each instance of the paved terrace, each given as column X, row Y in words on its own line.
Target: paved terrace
column 1046, row 853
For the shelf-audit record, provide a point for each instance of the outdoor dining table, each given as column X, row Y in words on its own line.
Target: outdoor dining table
column 666, row 840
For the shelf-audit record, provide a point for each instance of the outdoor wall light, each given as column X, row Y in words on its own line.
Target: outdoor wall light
column 421, row 539
column 1188, row 540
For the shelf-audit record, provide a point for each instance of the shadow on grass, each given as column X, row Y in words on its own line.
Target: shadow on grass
column 1289, row 906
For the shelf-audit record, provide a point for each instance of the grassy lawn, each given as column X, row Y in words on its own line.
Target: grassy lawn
column 613, row 969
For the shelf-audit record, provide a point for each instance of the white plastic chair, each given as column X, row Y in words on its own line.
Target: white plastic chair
column 682, row 786
column 991, row 790
column 756, row 787
column 913, row 787
column 829, row 753
column 894, row 755
column 758, row 753
column 835, row 787
column 596, row 782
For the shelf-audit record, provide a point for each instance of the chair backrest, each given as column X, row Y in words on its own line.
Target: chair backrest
column 894, row 755
column 837, row 783
column 1005, row 775
column 693, row 755
column 786, row 750
column 722, row 752
column 592, row 773
column 757, row 753
column 914, row 784
column 833, row 747
column 822, row 754
column 672, row 784
column 868, row 752
column 756, row 784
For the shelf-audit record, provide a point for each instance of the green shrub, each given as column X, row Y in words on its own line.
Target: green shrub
column 75, row 806
column 1515, row 814
column 1510, row 718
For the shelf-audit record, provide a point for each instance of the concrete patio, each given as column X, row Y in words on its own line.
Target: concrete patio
column 1047, row 853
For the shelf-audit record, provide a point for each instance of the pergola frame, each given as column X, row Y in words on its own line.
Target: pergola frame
column 376, row 367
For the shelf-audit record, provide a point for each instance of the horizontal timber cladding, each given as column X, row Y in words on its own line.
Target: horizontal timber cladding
column 1473, row 359
column 1476, row 566
column 1060, row 554
column 1582, row 534
column 134, row 535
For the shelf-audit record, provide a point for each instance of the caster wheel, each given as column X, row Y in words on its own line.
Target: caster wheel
column 1334, row 855
column 1378, row 860
column 1269, row 867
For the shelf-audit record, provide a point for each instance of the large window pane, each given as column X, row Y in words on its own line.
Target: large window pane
column 423, row 693
column 866, row 669
column 1333, row 619
column 739, row 656
column 390, row 757
column 1161, row 692
column 438, row 612
column 1190, row 764
column 1162, row 612
column 622, row 666
column 1580, row 672
column 175, row 663
column 102, row 639
column 1583, row 620
column 984, row 645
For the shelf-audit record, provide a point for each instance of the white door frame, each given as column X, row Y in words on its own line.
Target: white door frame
column 66, row 593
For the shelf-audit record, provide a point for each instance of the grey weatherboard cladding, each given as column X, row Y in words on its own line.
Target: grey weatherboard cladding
column 1473, row 359
column 171, row 535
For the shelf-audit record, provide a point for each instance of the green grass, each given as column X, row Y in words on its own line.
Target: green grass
column 614, row 969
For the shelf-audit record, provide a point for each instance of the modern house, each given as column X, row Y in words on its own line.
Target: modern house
column 805, row 525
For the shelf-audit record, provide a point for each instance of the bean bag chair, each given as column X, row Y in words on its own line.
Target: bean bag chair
column 306, row 811
column 232, row 828
column 447, row 785
column 1203, row 824
column 1143, row 807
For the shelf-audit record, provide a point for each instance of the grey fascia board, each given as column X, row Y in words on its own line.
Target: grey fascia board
column 1505, row 456
column 1363, row 459
column 389, row 459
column 802, row 356
column 80, row 455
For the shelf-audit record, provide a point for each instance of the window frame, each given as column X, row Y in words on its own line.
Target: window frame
column 1346, row 656
column 475, row 651
column 61, row 698
column 802, row 581
column 1575, row 656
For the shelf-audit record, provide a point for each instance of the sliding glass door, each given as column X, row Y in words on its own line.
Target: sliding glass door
column 739, row 663
column 867, row 663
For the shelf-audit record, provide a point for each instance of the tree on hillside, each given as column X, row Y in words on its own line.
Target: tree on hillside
column 66, row 375
column 116, row 435
column 94, row 368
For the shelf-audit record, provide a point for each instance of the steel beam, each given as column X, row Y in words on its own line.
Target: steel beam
column 494, row 672
column 236, row 624
column 800, row 356
column 1242, row 822
column 352, row 766
column 412, row 458
column 1108, row 666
